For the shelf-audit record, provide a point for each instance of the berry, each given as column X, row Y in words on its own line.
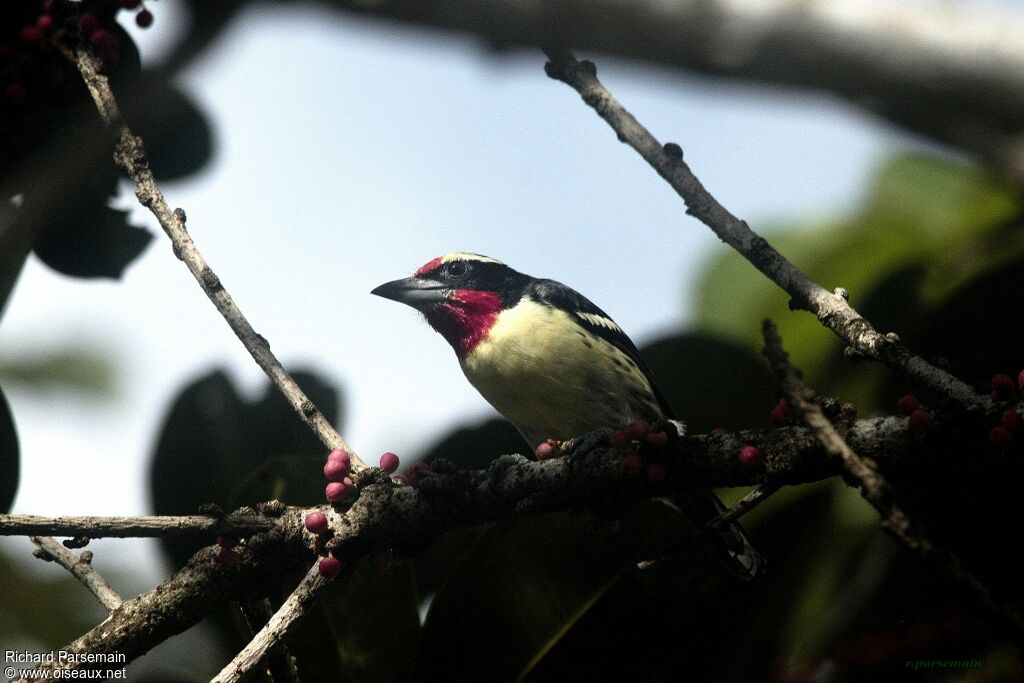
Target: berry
column 1000, row 437
column 656, row 472
column 30, row 35
column 44, row 23
column 631, row 462
column 606, row 527
column 389, row 462
column 718, row 430
column 316, row 522
column 638, row 429
column 225, row 541
column 341, row 456
column 1012, row 420
column 545, row 450
column 657, row 439
column 382, row 560
column 334, row 470
column 750, row 454
column 335, row 491
column 919, row 420
column 908, row 404
column 1002, row 386
column 15, row 93
column 618, row 438
column 88, row 22
column 227, row 556
column 329, row 566
column 780, row 412
column 144, row 19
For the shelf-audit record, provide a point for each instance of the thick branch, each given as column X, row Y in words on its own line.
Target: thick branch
column 831, row 308
column 81, row 568
column 132, row 527
column 953, row 73
column 131, row 156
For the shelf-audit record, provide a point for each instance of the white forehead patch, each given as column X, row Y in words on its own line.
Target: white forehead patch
column 599, row 320
column 466, row 256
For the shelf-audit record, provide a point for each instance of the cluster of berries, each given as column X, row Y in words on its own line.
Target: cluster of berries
column 29, row 30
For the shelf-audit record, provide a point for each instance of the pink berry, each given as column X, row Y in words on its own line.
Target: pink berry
column 718, row 431
column 30, row 35
column 657, row 439
column 15, row 93
column 144, row 19
column 656, row 472
column 342, row 457
column 618, row 438
column 316, row 522
column 227, row 556
column 606, row 527
column 545, row 450
column 750, row 454
column 1012, row 420
column 779, row 415
column 88, row 22
column 389, row 462
column 631, row 462
column 919, row 420
column 1002, row 386
column 382, row 560
column 1000, row 437
column 335, row 491
column 638, row 429
column 225, row 541
column 329, row 566
column 908, row 404
column 44, row 23
column 334, row 470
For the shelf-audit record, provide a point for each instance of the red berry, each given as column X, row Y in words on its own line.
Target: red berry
column 1002, row 386
column 338, row 455
column 130, row 4
column 545, row 450
column 88, row 22
column 389, row 462
column 225, row 541
column 908, row 404
column 606, row 527
column 657, row 439
column 334, row 470
column 779, row 414
column 30, row 35
column 750, row 454
column 144, row 19
column 329, row 566
column 638, row 429
column 631, row 462
column 335, row 491
column 1000, row 437
column 1012, row 420
column 719, row 430
column 618, row 438
column 15, row 93
column 316, row 522
column 227, row 556
column 919, row 420
column 44, row 23
column 656, row 472
column 382, row 560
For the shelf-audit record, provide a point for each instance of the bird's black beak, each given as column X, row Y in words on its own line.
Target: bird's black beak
column 420, row 293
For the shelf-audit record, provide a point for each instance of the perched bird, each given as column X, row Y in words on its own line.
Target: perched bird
column 554, row 364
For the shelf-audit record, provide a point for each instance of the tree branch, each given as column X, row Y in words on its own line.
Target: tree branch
column 831, row 308
column 80, row 567
column 133, row 527
column 279, row 662
column 130, row 155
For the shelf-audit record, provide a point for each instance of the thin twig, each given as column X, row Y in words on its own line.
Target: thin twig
column 279, row 662
column 131, row 156
column 742, row 506
column 81, row 568
column 293, row 609
column 873, row 486
column 831, row 308
column 133, row 527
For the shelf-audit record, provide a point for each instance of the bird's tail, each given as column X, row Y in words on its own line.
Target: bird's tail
column 731, row 541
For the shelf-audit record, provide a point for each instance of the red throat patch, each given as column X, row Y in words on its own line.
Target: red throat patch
column 466, row 318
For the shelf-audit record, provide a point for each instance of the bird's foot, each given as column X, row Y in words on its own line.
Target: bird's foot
column 580, row 446
column 496, row 470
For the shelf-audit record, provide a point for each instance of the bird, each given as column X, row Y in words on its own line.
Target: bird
column 551, row 362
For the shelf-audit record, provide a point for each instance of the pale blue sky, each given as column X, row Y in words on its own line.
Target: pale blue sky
column 348, row 153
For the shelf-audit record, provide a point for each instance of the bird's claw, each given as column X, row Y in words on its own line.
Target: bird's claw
column 580, row 446
column 496, row 470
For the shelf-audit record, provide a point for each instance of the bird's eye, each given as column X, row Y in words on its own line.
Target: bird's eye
column 457, row 268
